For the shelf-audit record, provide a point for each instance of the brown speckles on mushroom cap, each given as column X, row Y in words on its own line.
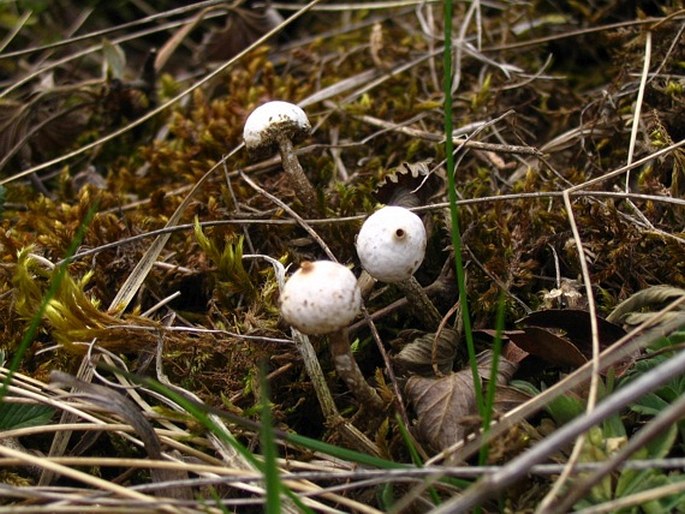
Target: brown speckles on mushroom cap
column 320, row 297
column 271, row 121
column 391, row 244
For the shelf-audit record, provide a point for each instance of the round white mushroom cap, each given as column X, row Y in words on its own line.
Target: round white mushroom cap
column 391, row 244
column 320, row 297
column 271, row 118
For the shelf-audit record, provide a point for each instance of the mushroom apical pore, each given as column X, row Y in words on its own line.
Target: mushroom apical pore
column 391, row 244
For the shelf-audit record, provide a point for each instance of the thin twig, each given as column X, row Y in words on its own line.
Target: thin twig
column 154, row 112
column 437, row 138
column 99, row 483
column 594, row 376
column 635, row 339
column 300, row 221
column 656, row 427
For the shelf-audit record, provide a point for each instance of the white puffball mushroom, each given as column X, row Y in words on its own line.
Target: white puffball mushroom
column 391, row 244
column 271, row 121
column 321, row 297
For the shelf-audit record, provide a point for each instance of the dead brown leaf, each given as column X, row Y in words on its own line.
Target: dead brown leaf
column 445, row 406
column 576, row 327
column 550, row 347
column 242, row 28
column 418, row 356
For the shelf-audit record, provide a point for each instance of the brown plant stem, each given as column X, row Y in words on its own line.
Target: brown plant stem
column 291, row 165
column 334, row 420
column 420, row 303
column 348, row 370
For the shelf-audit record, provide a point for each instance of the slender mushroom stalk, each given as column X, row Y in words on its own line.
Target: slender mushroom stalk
column 277, row 125
column 322, row 297
column 391, row 246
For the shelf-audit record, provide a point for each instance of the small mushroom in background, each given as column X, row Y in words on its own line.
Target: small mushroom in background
column 322, row 297
column 391, row 246
column 278, row 125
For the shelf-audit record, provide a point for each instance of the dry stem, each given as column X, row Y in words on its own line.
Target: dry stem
column 349, row 372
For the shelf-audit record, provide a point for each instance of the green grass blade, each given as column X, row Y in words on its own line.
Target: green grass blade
column 201, row 414
column 272, row 479
column 492, row 384
column 454, row 209
column 415, row 457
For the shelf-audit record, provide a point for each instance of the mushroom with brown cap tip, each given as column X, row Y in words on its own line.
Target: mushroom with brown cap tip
column 322, row 297
column 277, row 125
column 391, row 246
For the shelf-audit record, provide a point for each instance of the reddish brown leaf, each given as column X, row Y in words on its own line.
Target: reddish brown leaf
column 510, row 350
column 549, row 347
column 576, row 325
column 513, row 353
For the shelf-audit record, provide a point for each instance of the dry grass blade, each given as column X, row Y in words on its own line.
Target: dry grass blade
column 15, row 30
column 169, row 473
column 594, row 377
column 635, row 500
column 127, row 410
column 104, row 485
column 139, row 273
column 108, row 30
column 175, row 41
column 665, row 419
column 638, row 338
column 162, row 107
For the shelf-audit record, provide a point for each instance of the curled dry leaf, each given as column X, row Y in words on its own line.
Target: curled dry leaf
column 561, row 337
column 652, row 298
column 419, row 355
column 242, row 28
column 40, row 127
column 513, row 353
column 445, row 406
column 505, row 369
column 410, row 184
column 550, row 347
column 576, row 327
